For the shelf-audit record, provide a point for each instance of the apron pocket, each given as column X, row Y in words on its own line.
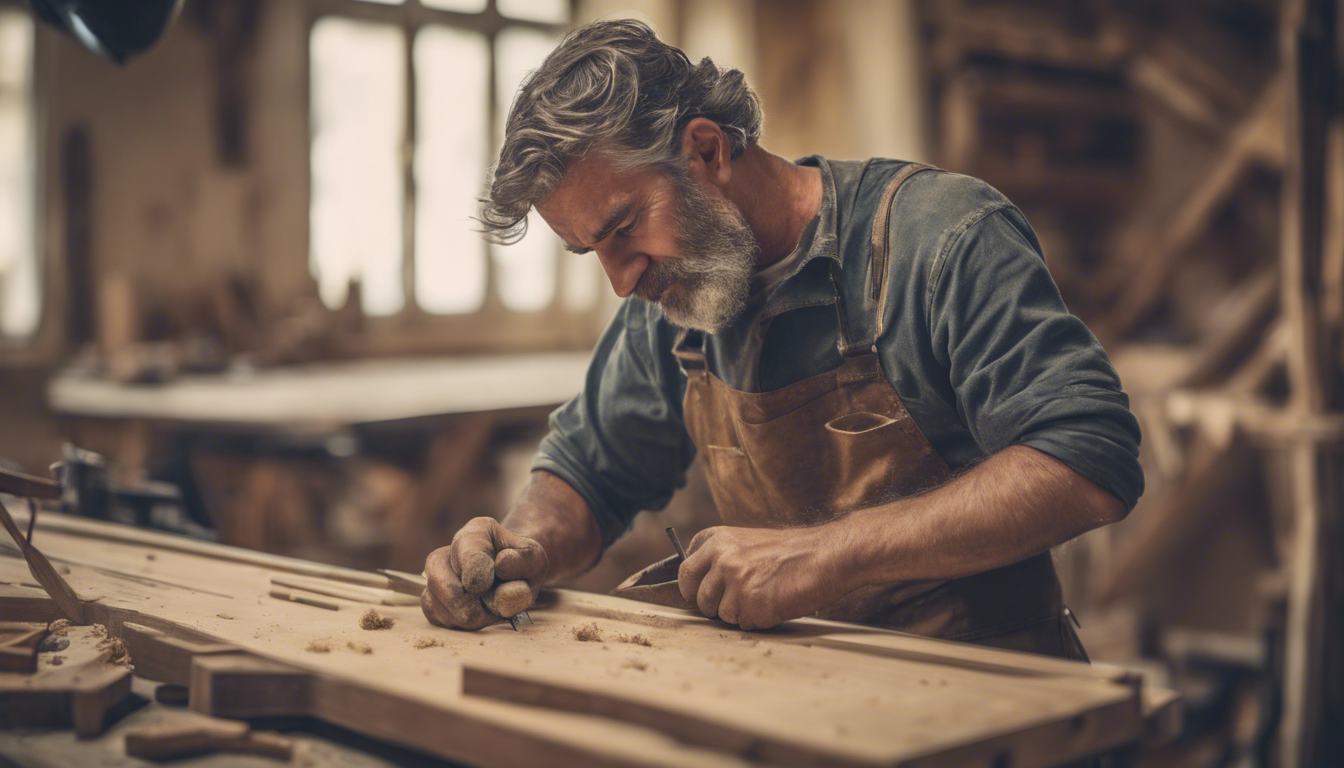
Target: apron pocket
column 732, row 483
column 858, row 423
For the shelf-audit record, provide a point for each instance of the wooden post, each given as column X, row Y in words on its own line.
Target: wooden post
column 1313, row 686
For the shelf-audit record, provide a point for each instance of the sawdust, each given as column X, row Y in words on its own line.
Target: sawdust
column 420, row 643
column 587, row 633
column 59, row 627
column 318, row 646
column 635, row 664
column 371, row 620
column 120, row 654
column 358, row 647
column 634, row 640
column 57, row 661
column 98, row 630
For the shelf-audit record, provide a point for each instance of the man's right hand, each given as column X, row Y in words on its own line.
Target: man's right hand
column 486, row 575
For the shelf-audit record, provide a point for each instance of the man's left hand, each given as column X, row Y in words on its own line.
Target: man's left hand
column 759, row 577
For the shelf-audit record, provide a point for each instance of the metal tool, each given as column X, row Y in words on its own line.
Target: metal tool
column 676, row 542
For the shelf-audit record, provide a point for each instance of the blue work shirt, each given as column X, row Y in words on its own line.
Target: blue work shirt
column 977, row 342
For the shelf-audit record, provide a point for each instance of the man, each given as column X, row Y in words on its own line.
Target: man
column 897, row 416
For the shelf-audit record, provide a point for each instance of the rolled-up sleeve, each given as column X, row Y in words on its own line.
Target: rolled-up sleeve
column 1024, row 370
column 622, row 443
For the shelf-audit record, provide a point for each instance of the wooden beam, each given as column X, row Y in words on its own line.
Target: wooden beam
column 1148, row 252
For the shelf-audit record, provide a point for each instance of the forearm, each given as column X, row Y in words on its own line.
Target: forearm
column 1015, row 504
column 557, row 517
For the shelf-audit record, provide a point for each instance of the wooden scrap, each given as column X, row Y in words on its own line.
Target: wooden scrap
column 346, row 591
column 18, row 645
column 77, row 691
column 294, row 597
column 167, row 741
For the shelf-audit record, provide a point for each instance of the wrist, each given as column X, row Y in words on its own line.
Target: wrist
column 859, row 550
column 844, row 561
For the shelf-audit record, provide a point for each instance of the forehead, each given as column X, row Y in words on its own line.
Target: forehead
column 589, row 191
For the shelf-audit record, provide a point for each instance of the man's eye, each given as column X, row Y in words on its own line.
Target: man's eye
column 628, row 229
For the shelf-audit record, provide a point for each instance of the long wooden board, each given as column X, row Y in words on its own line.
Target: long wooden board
column 811, row 703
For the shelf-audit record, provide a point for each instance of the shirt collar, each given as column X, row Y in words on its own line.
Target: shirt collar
column 809, row 285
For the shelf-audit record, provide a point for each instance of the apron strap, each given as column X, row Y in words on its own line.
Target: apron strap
column 690, row 351
column 880, row 257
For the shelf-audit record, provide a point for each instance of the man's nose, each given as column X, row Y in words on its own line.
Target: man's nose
column 623, row 271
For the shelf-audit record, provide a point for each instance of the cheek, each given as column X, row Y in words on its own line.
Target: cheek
column 659, row 236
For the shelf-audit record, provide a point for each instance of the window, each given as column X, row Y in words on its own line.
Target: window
column 407, row 105
column 20, row 287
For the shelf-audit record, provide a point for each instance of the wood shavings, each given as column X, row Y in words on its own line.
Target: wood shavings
column 587, row 633
column 57, row 660
column 358, row 647
column 318, row 646
column 120, row 654
column 635, row 640
column 420, row 643
column 60, row 627
column 372, row 620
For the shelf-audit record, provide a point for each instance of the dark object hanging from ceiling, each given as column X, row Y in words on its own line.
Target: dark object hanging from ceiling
column 117, row 29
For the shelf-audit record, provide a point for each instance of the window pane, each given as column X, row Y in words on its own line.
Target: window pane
column 20, row 288
column 461, row 6
column 526, row 270
column 357, row 124
column 452, row 76
column 547, row 11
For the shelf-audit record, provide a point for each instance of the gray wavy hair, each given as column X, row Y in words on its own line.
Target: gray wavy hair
column 614, row 87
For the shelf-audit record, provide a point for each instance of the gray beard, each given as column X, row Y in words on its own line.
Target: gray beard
column 707, row 288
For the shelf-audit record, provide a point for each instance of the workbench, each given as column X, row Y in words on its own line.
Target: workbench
column 258, row 442
column 593, row 680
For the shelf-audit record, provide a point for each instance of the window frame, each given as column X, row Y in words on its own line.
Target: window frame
column 493, row 328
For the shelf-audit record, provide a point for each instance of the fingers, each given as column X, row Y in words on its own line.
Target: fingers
column 728, row 605
column 473, row 554
column 446, row 601
column 509, row 599
column 709, row 595
column 463, row 612
column 522, row 559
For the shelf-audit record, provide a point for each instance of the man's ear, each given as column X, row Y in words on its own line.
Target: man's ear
column 707, row 152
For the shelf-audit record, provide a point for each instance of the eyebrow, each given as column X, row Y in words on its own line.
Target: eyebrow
column 613, row 221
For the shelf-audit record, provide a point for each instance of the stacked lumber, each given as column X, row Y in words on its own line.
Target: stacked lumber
column 1214, row 276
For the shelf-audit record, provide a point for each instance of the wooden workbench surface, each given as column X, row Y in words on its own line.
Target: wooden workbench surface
column 810, row 692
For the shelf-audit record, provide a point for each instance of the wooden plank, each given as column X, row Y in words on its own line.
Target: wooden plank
column 166, row 656
column 79, row 526
column 760, row 736
column 406, row 687
column 19, row 484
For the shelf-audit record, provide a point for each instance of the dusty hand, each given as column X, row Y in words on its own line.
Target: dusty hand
column 486, row 575
column 757, row 577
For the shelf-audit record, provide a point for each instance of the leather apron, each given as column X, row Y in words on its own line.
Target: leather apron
column 841, row 441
